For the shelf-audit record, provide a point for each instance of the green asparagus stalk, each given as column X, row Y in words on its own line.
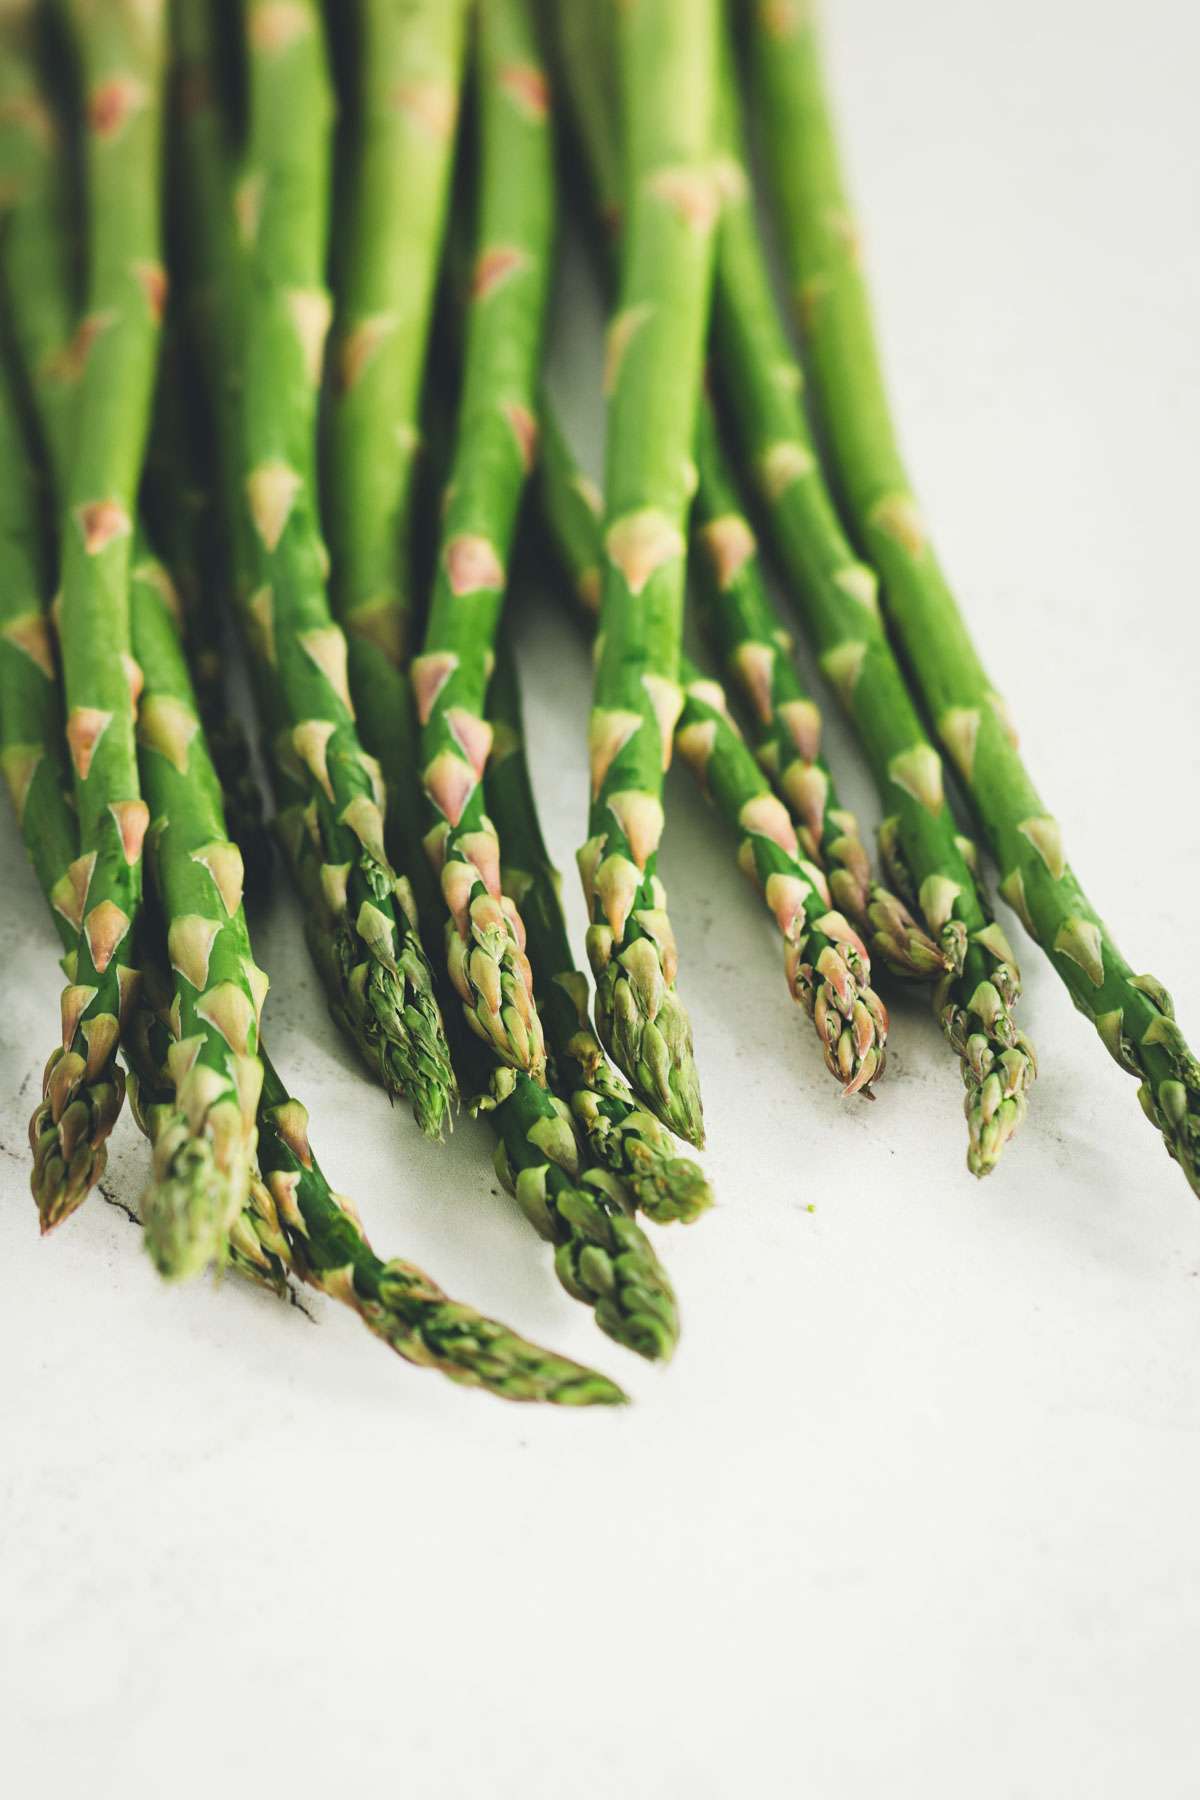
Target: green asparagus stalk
column 183, row 524
column 32, row 754
column 826, row 963
column 738, row 611
column 292, row 1218
column 121, row 54
column 405, row 81
column 655, row 355
column 204, row 1140
column 394, row 183
column 204, row 1143
column 1132, row 1013
column 493, row 451
column 395, row 1299
column 928, row 864
column 257, row 278
column 619, row 1134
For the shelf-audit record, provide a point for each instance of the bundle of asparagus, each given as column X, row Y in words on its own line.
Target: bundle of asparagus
column 149, row 150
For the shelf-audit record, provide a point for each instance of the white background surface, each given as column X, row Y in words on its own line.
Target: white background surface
column 914, row 1512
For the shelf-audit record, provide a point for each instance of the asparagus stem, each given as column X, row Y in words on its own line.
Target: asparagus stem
column 827, row 966
column 183, row 523
column 204, row 1142
column 395, row 1299
column 394, row 182
column 656, row 345
column 928, row 863
column 619, row 1134
column 121, row 54
column 738, row 612
column 493, row 450
column 263, row 309
column 1132, row 1013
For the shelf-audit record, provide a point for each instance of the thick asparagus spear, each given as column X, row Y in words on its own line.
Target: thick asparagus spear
column 121, row 53
column 656, row 345
column 621, row 1135
column 1132, row 1013
column 257, row 257
column 493, row 450
column 393, row 185
column 826, row 962
column 739, row 613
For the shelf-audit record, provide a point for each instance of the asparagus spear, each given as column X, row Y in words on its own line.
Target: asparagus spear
column 739, row 614
column 203, row 1140
column 292, row 1218
column 494, row 448
column 656, row 344
column 1132, row 1013
column 258, row 254
column 619, row 1134
column 393, row 186
column 928, row 864
column 204, row 1144
column 827, row 966
column 121, row 52
column 183, row 523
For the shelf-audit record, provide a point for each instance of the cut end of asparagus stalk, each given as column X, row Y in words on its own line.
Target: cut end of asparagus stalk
column 68, row 1134
column 645, row 1028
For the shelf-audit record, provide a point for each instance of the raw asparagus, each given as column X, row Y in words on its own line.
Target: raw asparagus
column 826, row 963
column 928, row 864
column 620, row 1135
column 256, row 273
column 121, row 51
column 739, row 614
column 1132, row 1013
column 494, row 447
column 655, row 355
column 602, row 1257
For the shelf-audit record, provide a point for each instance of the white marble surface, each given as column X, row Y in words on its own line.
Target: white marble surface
column 914, row 1511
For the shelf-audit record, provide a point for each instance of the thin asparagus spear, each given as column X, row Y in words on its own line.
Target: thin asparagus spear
column 739, row 614
column 1132, row 1013
column 620, row 1135
column 928, row 863
column 121, row 53
column 204, row 1144
column 493, row 450
column 826, row 962
column 257, row 278
column 656, row 347
column 183, row 523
